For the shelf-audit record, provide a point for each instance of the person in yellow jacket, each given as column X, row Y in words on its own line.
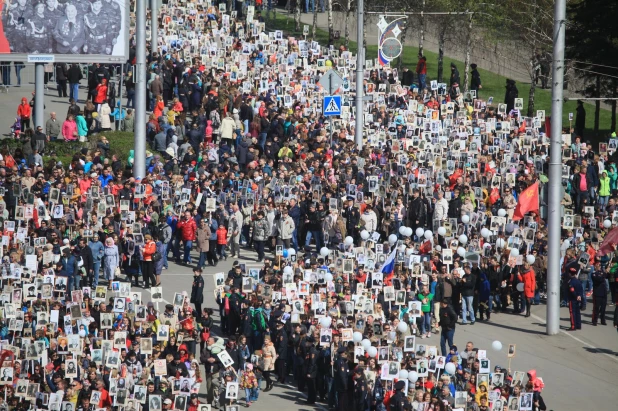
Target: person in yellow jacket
column 604, row 191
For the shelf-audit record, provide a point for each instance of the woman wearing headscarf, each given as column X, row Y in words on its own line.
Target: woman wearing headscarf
column 111, row 260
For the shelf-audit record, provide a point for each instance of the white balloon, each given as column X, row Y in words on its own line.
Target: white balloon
column 326, row 321
column 502, row 212
column 348, row 240
column 364, row 234
column 291, row 251
column 357, row 337
column 428, row 235
column 409, row 251
column 441, row 231
column 520, row 287
column 412, row 376
column 372, row 352
column 82, row 333
column 366, row 344
column 420, row 232
column 402, row 230
column 402, row 327
column 463, row 239
column 288, row 270
column 485, row 232
column 487, row 245
column 403, row 374
column 392, row 239
column 402, row 247
column 461, row 251
column 465, row 219
column 450, row 368
column 408, row 232
column 514, row 252
column 328, row 277
column 530, row 259
column 324, row 251
column 496, row 345
column 500, row 243
column 607, row 223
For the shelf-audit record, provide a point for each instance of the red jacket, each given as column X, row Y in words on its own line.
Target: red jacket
column 529, row 280
column 23, row 110
column 221, row 235
column 149, row 249
column 101, row 92
column 188, row 229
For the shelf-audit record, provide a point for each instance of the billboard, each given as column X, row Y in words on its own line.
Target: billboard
column 74, row 31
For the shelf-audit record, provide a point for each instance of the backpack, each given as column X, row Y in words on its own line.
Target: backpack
column 155, row 231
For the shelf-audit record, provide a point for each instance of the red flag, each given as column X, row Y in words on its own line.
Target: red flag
column 528, row 201
column 548, row 126
column 607, row 246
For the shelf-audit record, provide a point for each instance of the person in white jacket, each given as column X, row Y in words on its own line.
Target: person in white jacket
column 104, row 119
column 286, row 228
column 440, row 207
column 369, row 219
column 228, row 125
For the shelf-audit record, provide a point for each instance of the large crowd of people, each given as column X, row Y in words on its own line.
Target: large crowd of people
column 369, row 254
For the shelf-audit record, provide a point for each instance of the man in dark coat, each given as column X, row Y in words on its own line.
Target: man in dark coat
column 580, row 119
column 310, row 370
column 88, row 263
column 475, row 83
column 417, row 211
column 352, row 218
column 197, row 292
column 454, row 74
column 511, row 94
column 407, row 77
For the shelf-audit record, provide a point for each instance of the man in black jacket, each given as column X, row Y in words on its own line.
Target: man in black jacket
column 281, row 346
column 407, row 77
column 454, row 205
column 448, row 322
column 310, row 370
column 468, row 284
column 352, row 218
column 314, row 228
column 86, row 255
column 61, row 78
column 417, row 211
column 494, row 275
column 74, row 75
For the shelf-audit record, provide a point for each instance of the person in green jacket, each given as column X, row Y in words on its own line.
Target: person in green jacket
column 425, row 297
column 82, row 126
column 613, row 177
column 604, row 191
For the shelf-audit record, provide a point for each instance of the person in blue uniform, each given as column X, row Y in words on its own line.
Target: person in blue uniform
column 599, row 293
column 310, row 370
column 342, row 379
column 574, row 297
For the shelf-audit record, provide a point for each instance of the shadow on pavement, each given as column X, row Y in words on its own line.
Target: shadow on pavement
column 601, row 351
column 508, row 327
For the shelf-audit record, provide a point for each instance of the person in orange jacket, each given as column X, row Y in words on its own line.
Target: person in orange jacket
column 24, row 112
column 221, row 241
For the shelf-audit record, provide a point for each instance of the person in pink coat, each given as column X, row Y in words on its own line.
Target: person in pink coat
column 69, row 129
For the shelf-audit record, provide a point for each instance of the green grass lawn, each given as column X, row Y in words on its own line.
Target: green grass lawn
column 493, row 84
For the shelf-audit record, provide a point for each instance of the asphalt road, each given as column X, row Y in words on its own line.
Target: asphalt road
column 583, row 362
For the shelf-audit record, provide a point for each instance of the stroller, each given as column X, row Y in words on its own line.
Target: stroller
column 16, row 129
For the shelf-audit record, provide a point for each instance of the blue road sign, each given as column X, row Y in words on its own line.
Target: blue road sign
column 332, row 105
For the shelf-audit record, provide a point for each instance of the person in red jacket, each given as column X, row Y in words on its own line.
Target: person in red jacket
column 187, row 229
column 101, row 93
column 150, row 247
column 221, row 241
column 528, row 277
column 24, row 112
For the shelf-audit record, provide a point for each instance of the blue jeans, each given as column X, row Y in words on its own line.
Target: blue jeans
column 250, row 394
column 188, row 246
column 262, row 140
column 96, row 267
column 309, row 5
column 425, row 323
column 466, row 306
column 202, row 260
column 447, row 335
column 130, row 98
column 421, row 81
column 581, row 196
column 295, row 239
column 18, row 69
column 74, row 91
column 73, row 282
column 495, row 298
column 316, row 236
column 6, row 75
column 602, row 202
column 164, row 257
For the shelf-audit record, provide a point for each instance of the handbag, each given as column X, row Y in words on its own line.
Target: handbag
column 117, row 271
column 156, row 256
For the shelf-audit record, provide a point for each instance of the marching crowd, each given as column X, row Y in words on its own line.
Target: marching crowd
column 438, row 221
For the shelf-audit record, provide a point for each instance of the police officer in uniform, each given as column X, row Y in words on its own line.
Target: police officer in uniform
column 574, row 298
column 96, row 29
column 599, row 294
column 38, row 30
column 16, row 23
column 342, row 379
column 352, row 219
column 310, row 369
column 114, row 17
column 361, row 391
column 399, row 401
column 69, row 32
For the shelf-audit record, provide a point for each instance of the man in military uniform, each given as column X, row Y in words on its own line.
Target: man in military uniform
column 361, row 390
column 82, row 6
column 352, row 219
column 53, row 13
column 96, row 29
column 342, row 379
column 15, row 25
column 399, row 401
column 310, row 369
column 69, row 32
column 38, row 31
column 114, row 19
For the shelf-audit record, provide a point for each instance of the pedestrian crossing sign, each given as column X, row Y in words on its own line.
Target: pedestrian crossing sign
column 332, row 105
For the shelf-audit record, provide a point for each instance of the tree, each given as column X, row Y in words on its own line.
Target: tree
column 297, row 15
column 592, row 44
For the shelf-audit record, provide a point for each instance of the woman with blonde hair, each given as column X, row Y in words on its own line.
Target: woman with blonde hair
column 111, row 259
column 270, row 356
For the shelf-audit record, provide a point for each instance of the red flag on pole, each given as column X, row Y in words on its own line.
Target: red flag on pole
column 528, row 201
